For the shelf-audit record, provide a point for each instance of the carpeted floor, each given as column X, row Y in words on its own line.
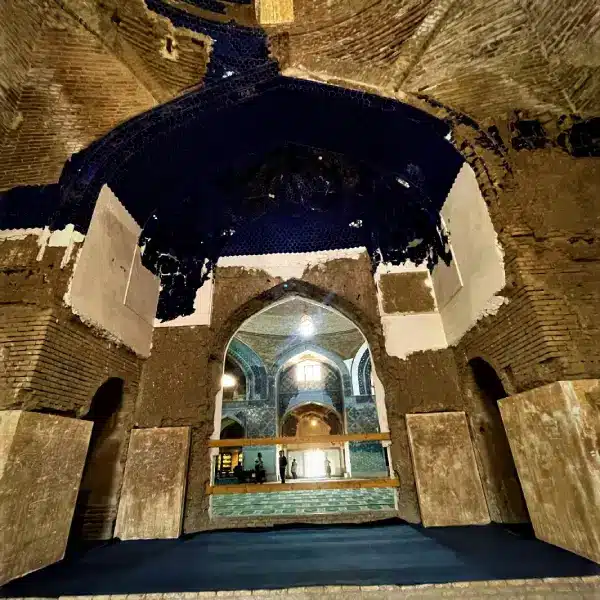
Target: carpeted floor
column 376, row 554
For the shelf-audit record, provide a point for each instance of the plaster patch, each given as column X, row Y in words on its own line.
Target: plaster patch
column 407, row 334
column 19, row 234
column 288, row 266
column 60, row 238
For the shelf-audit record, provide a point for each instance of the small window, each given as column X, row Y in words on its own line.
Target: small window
column 307, row 372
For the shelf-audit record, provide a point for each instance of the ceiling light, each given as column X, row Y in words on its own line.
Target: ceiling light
column 314, row 422
column 306, row 328
column 228, row 381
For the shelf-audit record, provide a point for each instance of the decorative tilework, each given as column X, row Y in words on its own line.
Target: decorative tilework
column 367, row 458
column 303, row 502
column 361, row 415
column 261, row 419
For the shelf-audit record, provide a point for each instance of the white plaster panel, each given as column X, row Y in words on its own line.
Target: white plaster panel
column 142, row 291
column 446, row 282
column 478, row 256
column 105, row 270
column 288, row 266
column 405, row 334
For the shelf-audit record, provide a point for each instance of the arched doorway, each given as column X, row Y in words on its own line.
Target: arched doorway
column 505, row 496
column 304, row 350
column 96, row 508
column 230, row 459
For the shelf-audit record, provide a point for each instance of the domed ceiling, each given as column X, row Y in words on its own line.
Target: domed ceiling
column 253, row 140
column 284, row 319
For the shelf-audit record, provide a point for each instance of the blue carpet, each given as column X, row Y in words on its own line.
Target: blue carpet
column 374, row 554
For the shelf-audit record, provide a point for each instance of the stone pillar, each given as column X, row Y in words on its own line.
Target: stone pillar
column 554, row 436
column 448, row 483
column 153, row 493
column 41, row 461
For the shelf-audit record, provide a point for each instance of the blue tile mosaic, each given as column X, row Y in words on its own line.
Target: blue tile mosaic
column 304, row 502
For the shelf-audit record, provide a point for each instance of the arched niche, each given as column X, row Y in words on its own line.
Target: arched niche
column 308, row 348
column 103, row 466
column 232, row 428
column 252, row 367
column 499, row 474
column 311, row 419
column 326, row 392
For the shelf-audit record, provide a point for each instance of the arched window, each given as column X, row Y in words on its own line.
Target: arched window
column 309, row 371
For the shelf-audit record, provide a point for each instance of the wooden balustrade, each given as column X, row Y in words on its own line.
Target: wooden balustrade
column 331, row 440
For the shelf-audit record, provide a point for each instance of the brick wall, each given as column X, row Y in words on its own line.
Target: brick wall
column 55, row 363
column 51, row 362
column 20, row 28
column 550, row 229
column 75, row 91
column 22, row 333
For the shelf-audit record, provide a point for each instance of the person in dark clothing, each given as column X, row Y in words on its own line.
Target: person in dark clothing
column 282, row 465
column 259, row 469
column 238, row 472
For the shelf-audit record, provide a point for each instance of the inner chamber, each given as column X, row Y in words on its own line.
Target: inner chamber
column 298, row 379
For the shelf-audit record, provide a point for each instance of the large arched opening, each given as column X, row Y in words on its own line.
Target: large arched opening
column 308, row 412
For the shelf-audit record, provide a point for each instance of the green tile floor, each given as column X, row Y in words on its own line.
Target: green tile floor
column 303, row 502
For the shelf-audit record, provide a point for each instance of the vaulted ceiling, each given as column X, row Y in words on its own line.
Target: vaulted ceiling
column 483, row 58
column 284, row 319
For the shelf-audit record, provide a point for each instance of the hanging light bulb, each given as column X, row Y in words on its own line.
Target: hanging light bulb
column 306, row 328
column 228, row 381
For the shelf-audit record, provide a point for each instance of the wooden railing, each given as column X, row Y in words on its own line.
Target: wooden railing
column 342, row 484
column 310, row 439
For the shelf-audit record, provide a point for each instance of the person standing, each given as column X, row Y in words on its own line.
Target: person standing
column 259, row 469
column 328, row 468
column 294, row 469
column 282, row 465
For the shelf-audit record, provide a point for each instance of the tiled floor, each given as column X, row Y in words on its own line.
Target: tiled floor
column 303, row 502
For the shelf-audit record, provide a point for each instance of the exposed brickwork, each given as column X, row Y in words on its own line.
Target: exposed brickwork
column 166, row 59
column 34, row 275
column 20, row 28
column 22, row 333
column 485, row 61
column 76, row 90
column 548, row 330
column 55, row 364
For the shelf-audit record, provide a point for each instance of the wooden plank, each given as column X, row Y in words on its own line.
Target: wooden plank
column 289, row 441
column 345, row 484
